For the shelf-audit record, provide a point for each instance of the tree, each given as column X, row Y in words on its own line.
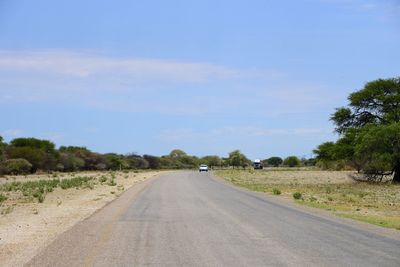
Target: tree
column 325, row 155
column 378, row 103
column 136, row 161
column 237, row 159
column 291, row 161
column 2, row 149
column 309, row 162
column 379, row 151
column 371, row 112
column 189, row 161
column 40, row 153
column 274, row 161
column 211, row 161
column 93, row 161
column 70, row 162
column 17, row 166
column 116, row 162
column 154, row 162
column 176, row 154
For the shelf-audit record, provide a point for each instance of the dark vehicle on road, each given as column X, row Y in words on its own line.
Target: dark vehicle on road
column 258, row 165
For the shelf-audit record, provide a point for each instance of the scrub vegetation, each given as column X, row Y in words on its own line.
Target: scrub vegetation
column 34, row 188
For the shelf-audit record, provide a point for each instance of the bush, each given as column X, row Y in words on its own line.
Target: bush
column 103, row 179
column 274, row 161
column 291, row 161
column 297, row 195
column 2, row 198
column 276, row 191
column 75, row 182
column 17, row 166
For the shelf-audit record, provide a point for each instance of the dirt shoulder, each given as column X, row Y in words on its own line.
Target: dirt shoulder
column 27, row 226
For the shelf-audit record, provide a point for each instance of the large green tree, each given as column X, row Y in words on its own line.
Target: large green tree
column 369, row 128
column 237, row 159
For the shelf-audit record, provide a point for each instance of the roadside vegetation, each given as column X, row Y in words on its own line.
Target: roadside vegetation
column 335, row 191
column 34, row 188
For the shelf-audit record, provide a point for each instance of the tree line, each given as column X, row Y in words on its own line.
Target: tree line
column 369, row 133
column 29, row 155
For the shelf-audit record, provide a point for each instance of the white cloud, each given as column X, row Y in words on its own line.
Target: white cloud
column 81, row 65
column 83, row 79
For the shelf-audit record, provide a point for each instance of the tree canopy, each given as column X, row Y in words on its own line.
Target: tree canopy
column 274, row 161
column 292, row 161
column 369, row 131
column 237, row 159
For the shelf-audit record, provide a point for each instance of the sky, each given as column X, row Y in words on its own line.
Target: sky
column 205, row 76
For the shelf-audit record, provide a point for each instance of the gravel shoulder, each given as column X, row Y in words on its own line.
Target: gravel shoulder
column 27, row 228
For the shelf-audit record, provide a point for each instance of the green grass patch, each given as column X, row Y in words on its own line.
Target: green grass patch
column 2, row 198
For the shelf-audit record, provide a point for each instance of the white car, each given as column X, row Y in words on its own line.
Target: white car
column 203, row 168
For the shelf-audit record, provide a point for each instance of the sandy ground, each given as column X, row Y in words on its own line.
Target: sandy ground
column 29, row 227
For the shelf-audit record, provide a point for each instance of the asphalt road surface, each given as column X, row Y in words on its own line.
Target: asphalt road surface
column 191, row 219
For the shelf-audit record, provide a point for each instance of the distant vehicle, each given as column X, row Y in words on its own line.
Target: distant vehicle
column 258, row 165
column 203, row 168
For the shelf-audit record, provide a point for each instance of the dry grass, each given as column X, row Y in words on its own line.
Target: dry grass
column 330, row 190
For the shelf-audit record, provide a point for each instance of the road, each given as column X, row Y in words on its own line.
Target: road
column 191, row 219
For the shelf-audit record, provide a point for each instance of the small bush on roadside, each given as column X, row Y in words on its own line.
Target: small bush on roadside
column 75, row 182
column 2, row 198
column 112, row 183
column 102, row 179
column 297, row 195
column 276, row 191
column 328, row 190
column 41, row 198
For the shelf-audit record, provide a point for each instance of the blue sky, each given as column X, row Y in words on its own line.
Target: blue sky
column 204, row 76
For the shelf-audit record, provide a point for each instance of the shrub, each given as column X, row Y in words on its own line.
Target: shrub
column 276, row 191
column 102, row 179
column 112, row 183
column 75, row 182
column 274, row 161
column 17, row 166
column 291, row 161
column 297, row 195
column 2, row 198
